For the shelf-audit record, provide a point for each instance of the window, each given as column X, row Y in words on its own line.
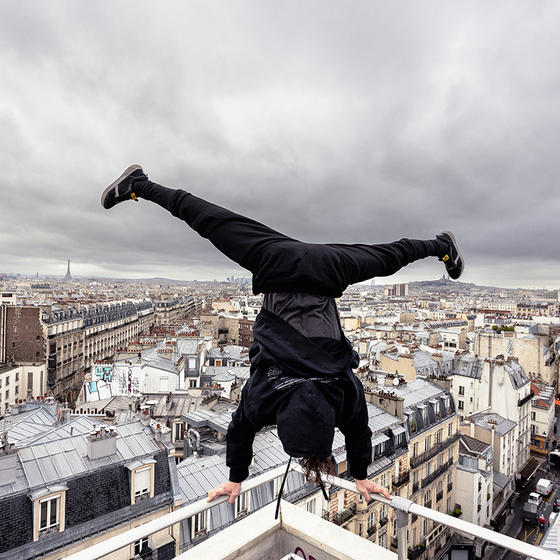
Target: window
column 7, row 380
column 49, row 515
column 30, row 382
column 450, row 454
column 383, row 511
column 199, row 523
column 424, row 415
column 142, row 483
column 371, row 520
column 449, row 429
column 384, row 481
column 140, row 546
column 179, row 431
column 461, row 405
column 439, row 436
column 192, row 383
column 415, row 450
column 427, row 443
column 310, row 506
column 242, row 504
column 429, row 469
column 533, row 415
column 461, row 390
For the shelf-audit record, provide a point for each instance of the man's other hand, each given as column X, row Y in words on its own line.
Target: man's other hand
column 228, row 488
column 366, row 486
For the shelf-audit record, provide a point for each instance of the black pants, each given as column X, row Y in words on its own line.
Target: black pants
column 279, row 263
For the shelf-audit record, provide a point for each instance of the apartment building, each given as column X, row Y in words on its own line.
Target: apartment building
column 499, row 386
column 534, row 348
column 427, row 473
column 175, row 311
column 475, row 480
column 108, row 327
column 542, row 418
column 74, row 484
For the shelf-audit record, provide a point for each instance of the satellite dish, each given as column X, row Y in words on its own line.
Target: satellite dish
column 396, row 381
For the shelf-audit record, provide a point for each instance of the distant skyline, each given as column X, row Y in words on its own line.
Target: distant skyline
column 366, row 122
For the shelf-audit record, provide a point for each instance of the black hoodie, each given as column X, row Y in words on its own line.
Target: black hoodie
column 308, row 411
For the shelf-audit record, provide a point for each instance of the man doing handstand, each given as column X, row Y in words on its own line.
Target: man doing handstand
column 301, row 362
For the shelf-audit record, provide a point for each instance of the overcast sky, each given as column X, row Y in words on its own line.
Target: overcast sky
column 330, row 121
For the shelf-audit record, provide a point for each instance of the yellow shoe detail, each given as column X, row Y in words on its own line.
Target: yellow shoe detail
column 133, row 196
column 445, row 258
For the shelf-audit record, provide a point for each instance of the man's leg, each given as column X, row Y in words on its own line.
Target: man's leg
column 242, row 239
column 360, row 262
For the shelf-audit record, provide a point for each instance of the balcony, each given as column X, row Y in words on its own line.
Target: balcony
column 417, row 551
column 415, row 487
column 345, row 515
column 437, row 473
column 371, row 530
column 401, row 480
column 436, row 448
column 383, row 521
column 259, row 535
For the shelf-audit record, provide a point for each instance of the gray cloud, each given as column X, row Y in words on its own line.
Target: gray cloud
column 361, row 122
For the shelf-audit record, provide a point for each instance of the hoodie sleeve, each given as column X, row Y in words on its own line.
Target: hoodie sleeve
column 239, row 449
column 358, row 441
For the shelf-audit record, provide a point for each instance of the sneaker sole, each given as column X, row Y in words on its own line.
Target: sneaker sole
column 458, row 252
column 125, row 174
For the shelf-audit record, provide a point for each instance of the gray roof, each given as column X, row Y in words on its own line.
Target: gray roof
column 230, row 351
column 501, row 480
column 516, row 374
column 178, row 405
column 188, row 346
column 28, row 424
column 59, row 456
column 493, row 421
column 203, row 417
column 469, row 366
column 242, row 372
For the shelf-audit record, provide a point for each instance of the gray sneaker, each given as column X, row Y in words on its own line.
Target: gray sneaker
column 122, row 188
column 453, row 260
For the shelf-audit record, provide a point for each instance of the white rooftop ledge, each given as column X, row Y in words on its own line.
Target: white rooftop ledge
column 295, row 531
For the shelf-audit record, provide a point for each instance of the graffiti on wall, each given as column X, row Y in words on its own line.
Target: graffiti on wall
column 104, row 373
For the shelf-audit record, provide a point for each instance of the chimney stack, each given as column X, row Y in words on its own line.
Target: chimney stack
column 102, row 443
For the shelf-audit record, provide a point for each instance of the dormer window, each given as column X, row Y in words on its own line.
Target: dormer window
column 48, row 511
column 141, row 479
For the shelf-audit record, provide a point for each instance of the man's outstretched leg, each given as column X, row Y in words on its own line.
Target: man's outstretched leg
column 279, row 263
column 247, row 242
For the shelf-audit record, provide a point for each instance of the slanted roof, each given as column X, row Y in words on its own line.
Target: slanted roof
column 472, row 446
column 55, row 459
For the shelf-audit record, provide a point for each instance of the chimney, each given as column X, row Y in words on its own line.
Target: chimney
column 8, row 460
column 102, row 443
column 161, row 432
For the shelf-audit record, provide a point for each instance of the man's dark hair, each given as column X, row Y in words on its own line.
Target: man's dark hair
column 314, row 468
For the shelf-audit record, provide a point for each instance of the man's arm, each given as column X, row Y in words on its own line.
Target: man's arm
column 239, row 453
column 357, row 436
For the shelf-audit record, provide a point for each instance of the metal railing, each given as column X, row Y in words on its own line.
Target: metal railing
column 402, row 506
column 433, row 451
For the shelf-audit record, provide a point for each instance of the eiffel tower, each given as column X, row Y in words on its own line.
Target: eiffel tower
column 68, row 277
